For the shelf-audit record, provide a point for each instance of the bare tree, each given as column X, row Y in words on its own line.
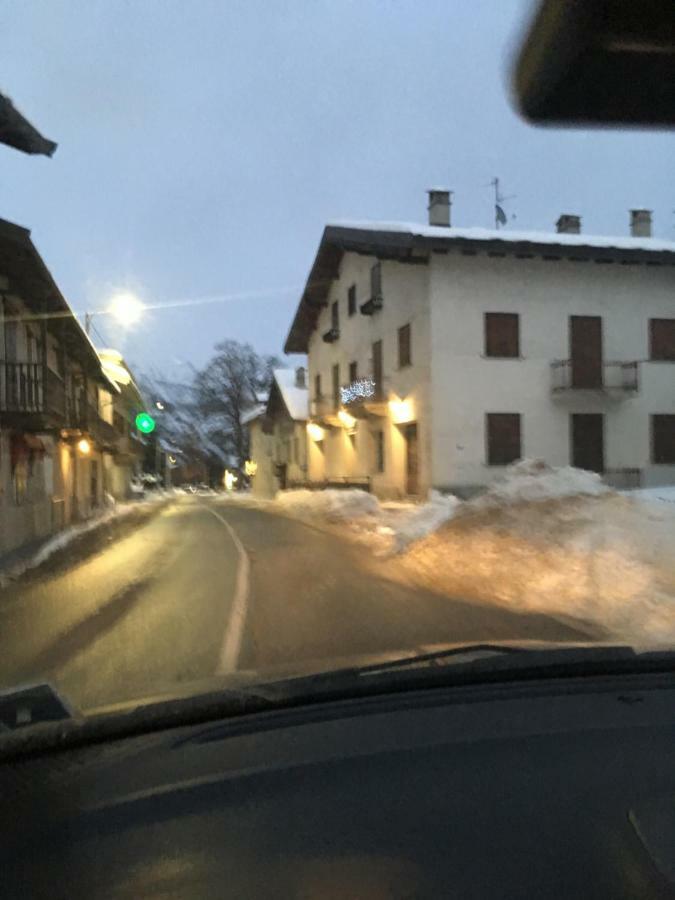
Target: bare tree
column 231, row 383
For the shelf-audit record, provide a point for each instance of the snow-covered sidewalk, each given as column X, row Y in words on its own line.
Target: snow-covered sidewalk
column 66, row 536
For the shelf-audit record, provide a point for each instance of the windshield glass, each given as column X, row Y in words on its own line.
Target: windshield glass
column 315, row 355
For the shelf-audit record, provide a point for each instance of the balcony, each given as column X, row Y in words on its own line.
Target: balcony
column 613, row 379
column 332, row 335
column 324, row 410
column 373, row 305
column 32, row 397
column 89, row 419
column 365, row 397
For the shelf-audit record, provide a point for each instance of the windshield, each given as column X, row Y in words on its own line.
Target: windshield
column 315, row 355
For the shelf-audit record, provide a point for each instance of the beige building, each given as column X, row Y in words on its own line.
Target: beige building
column 57, row 406
column 278, row 434
column 437, row 355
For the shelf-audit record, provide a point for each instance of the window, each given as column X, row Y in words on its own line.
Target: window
column 377, row 367
column 663, row 439
column 335, row 316
column 378, row 437
column 336, row 385
column 317, row 387
column 662, row 339
column 404, row 358
column 376, row 280
column 351, row 300
column 353, row 372
column 503, row 438
column 502, row 336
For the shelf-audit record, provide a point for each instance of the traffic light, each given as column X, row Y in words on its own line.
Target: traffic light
column 145, row 423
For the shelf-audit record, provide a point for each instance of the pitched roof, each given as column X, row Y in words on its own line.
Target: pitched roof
column 253, row 413
column 296, row 399
column 410, row 242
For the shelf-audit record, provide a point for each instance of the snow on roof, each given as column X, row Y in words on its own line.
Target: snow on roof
column 253, row 413
column 296, row 398
column 493, row 234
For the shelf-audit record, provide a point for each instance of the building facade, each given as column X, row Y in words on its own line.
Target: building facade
column 57, row 406
column 278, row 434
column 439, row 355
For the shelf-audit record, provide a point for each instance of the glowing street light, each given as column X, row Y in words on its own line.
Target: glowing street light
column 126, row 309
column 84, row 447
column 250, row 467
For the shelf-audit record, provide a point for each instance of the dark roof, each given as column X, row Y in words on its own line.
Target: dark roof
column 408, row 242
column 17, row 132
column 32, row 281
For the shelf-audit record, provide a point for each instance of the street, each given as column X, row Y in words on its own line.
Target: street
column 205, row 588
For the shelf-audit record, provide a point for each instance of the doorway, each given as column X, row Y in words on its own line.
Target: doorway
column 588, row 441
column 411, row 458
column 586, row 351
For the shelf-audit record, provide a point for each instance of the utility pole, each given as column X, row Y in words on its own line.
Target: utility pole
column 87, row 323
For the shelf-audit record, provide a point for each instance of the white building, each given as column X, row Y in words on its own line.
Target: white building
column 437, row 354
column 278, row 434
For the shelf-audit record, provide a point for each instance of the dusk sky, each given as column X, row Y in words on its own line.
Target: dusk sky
column 203, row 145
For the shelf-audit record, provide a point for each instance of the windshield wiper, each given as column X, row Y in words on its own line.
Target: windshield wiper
column 437, row 656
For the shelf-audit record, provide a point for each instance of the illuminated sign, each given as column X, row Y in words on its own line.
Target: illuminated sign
column 357, row 390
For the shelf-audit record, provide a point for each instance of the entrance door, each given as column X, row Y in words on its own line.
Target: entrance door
column 410, row 435
column 588, row 442
column 586, row 351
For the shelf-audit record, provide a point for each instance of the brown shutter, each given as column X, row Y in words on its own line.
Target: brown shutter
column 404, row 358
column 351, row 300
column 503, row 438
column 336, row 385
column 663, row 439
column 352, row 372
column 502, row 336
column 662, row 339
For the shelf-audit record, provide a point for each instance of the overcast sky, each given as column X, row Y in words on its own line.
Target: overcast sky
column 203, row 145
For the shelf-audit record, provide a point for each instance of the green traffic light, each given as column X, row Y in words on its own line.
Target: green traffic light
column 145, row 423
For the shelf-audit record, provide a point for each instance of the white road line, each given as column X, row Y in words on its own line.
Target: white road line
column 234, row 631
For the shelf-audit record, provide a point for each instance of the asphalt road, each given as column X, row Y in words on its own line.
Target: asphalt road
column 203, row 588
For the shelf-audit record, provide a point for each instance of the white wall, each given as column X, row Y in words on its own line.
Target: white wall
column 404, row 287
column 466, row 385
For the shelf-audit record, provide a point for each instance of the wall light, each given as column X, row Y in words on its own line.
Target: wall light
column 346, row 420
column 250, row 467
column 401, row 410
column 315, row 431
column 84, row 447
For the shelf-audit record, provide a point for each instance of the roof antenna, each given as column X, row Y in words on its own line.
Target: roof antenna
column 500, row 215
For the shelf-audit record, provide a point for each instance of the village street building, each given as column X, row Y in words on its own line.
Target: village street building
column 438, row 355
column 278, row 434
column 57, row 406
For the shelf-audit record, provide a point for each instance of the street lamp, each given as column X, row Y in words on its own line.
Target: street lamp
column 125, row 308
column 84, row 447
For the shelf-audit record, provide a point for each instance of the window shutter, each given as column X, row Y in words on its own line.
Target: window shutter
column 662, row 339
column 502, row 338
column 663, row 439
column 503, row 438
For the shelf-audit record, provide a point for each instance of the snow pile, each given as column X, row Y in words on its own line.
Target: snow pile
column 334, row 505
column 533, row 480
column 63, row 538
column 419, row 521
column 567, row 547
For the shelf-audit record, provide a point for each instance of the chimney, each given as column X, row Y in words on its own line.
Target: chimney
column 641, row 222
column 300, row 377
column 439, row 207
column 568, row 224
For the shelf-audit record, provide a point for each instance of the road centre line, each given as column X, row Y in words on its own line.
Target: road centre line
column 230, row 648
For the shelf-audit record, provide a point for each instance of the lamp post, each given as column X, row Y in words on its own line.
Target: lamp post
column 125, row 308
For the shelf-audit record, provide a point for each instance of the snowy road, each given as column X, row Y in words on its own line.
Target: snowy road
column 191, row 594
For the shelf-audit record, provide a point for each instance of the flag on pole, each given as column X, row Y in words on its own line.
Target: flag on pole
column 500, row 215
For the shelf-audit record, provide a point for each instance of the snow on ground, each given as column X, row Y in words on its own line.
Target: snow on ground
column 541, row 539
column 602, row 557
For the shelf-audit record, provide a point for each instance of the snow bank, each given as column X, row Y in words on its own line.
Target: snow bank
column 65, row 537
column 533, row 480
column 332, row 505
column 565, row 546
column 424, row 519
